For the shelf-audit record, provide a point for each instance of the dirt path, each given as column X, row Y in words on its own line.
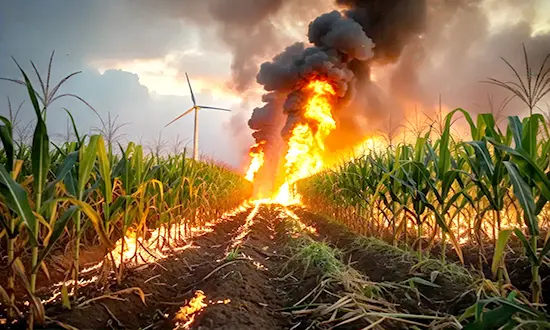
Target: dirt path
column 381, row 262
column 246, row 280
column 162, row 283
column 235, row 276
column 228, row 278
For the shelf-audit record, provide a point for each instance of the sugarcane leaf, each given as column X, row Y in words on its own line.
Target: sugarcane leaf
column 516, row 128
column 529, row 139
column 443, row 225
column 444, row 151
column 7, row 142
column 484, row 158
column 40, row 155
column 67, row 165
column 75, row 129
column 539, row 175
column 528, row 249
column 105, row 170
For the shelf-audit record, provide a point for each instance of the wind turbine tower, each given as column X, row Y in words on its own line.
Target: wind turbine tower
column 195, row 108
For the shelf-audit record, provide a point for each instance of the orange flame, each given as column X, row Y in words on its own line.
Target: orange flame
column 306, row 145
column 256, row 161
column 187, row 313
column 185, row 317
column 307, row 142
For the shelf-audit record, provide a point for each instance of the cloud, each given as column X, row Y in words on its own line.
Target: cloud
column 134, row 48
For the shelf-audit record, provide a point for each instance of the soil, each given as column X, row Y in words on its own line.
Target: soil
column 241, row 280
column 376, row 266
column 241, row 268
column 379, row 266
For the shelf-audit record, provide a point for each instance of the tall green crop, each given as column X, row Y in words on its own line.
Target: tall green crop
column 82, row 193
column 436, row 188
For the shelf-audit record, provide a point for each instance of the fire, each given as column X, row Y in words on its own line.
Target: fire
column 256, row 161
column 134, row 250
column 307, row 142
column 187, row 313
column 306, row 145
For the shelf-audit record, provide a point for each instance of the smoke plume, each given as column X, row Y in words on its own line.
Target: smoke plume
column 343, row 47
column 249, row 29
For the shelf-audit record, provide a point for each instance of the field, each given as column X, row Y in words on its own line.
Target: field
column 437, row 233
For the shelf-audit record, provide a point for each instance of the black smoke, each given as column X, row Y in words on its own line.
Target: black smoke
column 343, row 46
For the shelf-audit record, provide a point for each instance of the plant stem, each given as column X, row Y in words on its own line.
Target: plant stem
column 11, row 276
column 536, row 288
column 77, row 252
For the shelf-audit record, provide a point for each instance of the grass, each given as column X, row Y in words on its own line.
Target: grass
column 317, row 254
column 344, row 295
column 428, row 266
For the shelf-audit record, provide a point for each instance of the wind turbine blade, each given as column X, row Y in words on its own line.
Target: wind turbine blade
column 191, row 90
column 213, row 108
column 183, row 114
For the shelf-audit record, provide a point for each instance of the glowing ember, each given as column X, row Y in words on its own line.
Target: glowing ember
column 186, row 315
column 256, row 161
column 244, row 229
column 136, row 251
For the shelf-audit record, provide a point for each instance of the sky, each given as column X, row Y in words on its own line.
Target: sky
column 133, row 55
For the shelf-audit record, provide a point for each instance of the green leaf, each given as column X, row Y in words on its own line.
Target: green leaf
column 105, row 170
column 87, row 157
column 516, row 127
column 503, row 237
column 17, row 200
column 444, row 152
column 422, row 281
column 79, row 141
column 523, row 193
column 58, row 229
column 40, row 156
column 521, row 157
column 67, row 165
column 483, row 157
column 7, row 141
column 93, row 216
column 529, row 139
column 528, row 249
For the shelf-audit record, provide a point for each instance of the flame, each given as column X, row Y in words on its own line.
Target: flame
column 188, row 312
column 129, row 249
column 185, row 317
column 306, row 145
column 307, row 142
column 256, row 161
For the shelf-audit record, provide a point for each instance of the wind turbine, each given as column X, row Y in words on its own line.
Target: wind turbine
column 196, row 128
